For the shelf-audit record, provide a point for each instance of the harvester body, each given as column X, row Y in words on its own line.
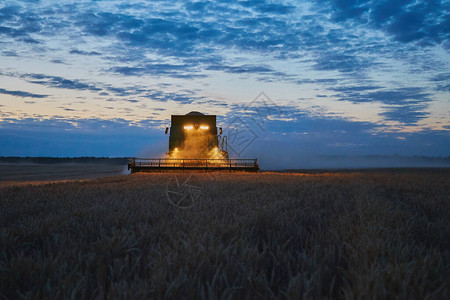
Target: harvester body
column 194, row 144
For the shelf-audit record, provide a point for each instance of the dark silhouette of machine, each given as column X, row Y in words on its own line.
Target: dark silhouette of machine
column 195, row 143
column 194, row 135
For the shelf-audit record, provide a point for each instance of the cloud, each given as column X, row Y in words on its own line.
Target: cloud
column 404, row 105
column 59, row 82
column 441, row 77
column 407, row 114
column 57, row 61
column 185, row 97
column 241, row 69
column 314, row 138
column 80, row 52
column 270, row 8
column 22, row 94
column 160, row 69
column 137, row 93
column 331, row 49
column 8, row 13
column 10, row 53
column 199, row 33
column 189, row 34
column 442, row 82
column 407, row 21
column 395, row 97
column 199, row 6
column 168, row 36
column 79, row 137
column 355, row 88
column 16, row 23
column 106, row 23
column 342, row 62
column 320, row 81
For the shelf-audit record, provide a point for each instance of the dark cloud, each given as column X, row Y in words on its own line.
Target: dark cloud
column 20, row 24
column 159, row 69
column 22, row 94
column 342, row 62
column 355, row 88
column 80, row 52
column 57, row 61
column 177, row 37
column 9, row 53
column 442, row 82
column 105, row 23
column 320, row 81
column 406, row 20
column 59, row 82
column 270, row 8
column 184, row 96
column 394, row 97
column 79, row 137
column 29, row 40
column 406, row 114
column 120, row 91
column 181, row 97
column 8, row 13
column 241, row 69
column 404, row 105
column 441, row 77
column 199, row 6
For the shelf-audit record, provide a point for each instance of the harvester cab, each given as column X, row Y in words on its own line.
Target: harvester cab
column 194, row 144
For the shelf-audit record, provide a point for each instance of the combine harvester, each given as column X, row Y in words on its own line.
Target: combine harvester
column 194, row 145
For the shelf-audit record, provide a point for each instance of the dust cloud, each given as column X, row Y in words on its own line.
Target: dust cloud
column 198, row 145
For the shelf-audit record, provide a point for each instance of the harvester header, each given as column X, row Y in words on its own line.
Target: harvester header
column 195, row 143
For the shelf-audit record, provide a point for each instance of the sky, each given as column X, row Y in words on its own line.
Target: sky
column 288, row 79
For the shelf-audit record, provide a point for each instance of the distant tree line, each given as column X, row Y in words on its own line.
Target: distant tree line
column 64, row 160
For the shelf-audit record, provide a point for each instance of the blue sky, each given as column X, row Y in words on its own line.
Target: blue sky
column 101, row 78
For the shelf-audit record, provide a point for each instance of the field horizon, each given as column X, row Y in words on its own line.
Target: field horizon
column 305, row 162
column 15, row 169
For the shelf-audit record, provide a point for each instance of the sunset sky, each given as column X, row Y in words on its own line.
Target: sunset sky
column 101, row 78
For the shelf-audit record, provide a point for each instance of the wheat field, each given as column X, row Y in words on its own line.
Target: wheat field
column 354, row 235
